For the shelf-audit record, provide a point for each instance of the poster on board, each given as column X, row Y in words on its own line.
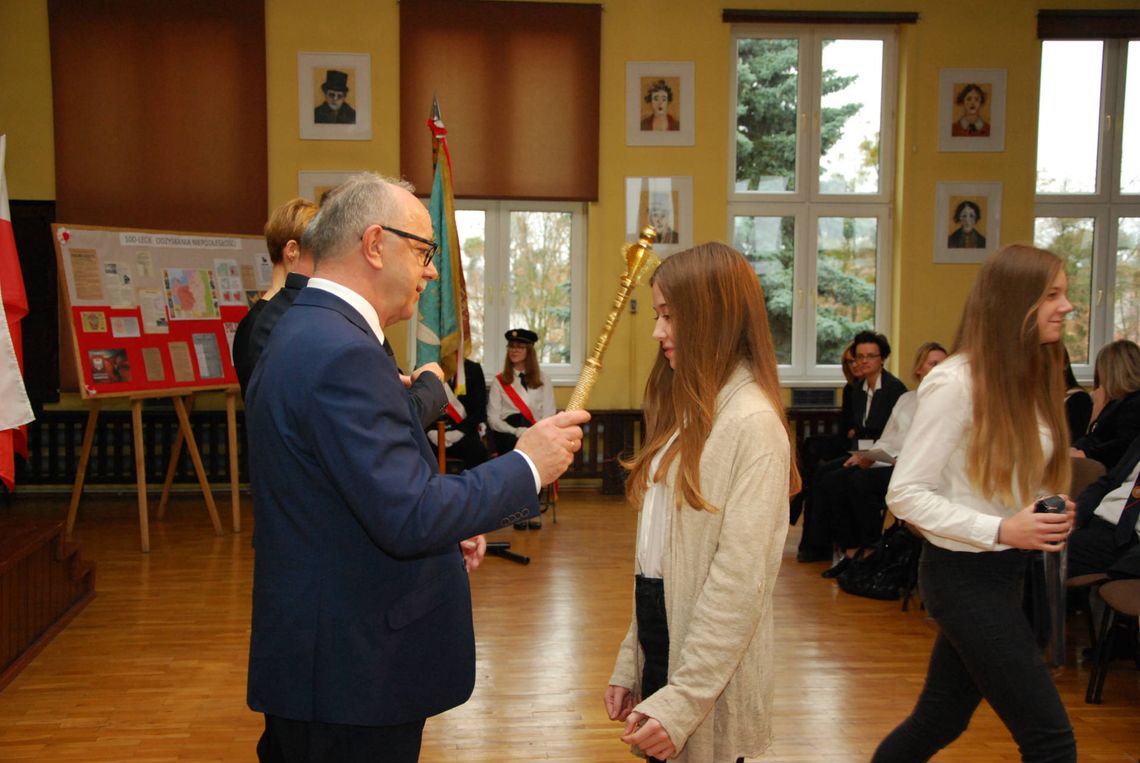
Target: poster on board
column 155, row 312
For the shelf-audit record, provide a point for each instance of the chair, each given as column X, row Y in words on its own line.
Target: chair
column 1085, row 472
column 1122, row 598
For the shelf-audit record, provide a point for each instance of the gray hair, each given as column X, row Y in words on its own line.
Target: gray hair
column 362, row 200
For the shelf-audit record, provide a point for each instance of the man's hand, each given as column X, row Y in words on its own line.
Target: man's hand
column 648, row 734
column 860, row 461
column 474, row 549
column 430, row 368
column 552, row 442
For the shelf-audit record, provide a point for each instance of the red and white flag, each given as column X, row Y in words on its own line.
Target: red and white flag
column 15, row 410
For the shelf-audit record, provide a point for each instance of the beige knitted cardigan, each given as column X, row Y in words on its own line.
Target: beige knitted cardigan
column 719, row 571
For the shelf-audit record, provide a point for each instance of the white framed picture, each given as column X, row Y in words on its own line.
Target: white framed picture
column 334, row 96
column 659, row 103
column 971, row 110
column 666, row 204
column 314, row 185
column 967, row 221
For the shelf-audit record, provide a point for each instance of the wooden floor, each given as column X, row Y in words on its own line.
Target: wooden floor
column 154, row 668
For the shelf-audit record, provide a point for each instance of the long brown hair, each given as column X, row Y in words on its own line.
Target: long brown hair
column 530, row 367
column 1016, row 379
column 719, row 322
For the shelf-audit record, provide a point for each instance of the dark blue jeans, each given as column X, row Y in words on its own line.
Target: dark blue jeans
column 985, row 649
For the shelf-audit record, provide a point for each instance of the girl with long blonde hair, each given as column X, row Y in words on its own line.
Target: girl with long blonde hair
column 989, row 438
column 693, row 677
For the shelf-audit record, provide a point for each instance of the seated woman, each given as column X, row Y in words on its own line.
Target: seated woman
column 465, row 423
column 850, row 499
column 1116, row 404
column 867, row 404
column 518, row 397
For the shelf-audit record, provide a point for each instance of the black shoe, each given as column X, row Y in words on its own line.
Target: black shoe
column 839, row 568
column 520, row 525
column 813, row 555
column 535, row 524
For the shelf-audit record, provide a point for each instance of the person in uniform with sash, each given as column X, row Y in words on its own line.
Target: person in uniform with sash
column 519, row 396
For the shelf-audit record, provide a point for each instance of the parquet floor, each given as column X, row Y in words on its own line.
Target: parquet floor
column 154, row 668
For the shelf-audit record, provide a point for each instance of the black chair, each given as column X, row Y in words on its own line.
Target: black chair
column 1122, row 598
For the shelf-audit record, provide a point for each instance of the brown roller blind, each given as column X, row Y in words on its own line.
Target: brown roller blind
column 517, row 85
column 1085, row 25
column 160, row 113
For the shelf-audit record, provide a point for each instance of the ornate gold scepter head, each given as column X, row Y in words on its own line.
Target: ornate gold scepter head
column 636, row 257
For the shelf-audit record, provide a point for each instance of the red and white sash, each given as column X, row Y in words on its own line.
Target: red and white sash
column 516, row 398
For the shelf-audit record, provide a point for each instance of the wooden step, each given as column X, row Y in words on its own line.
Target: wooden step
column 44, row 583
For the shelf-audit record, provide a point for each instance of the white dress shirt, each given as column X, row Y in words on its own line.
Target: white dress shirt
column 499, row 406
column 929, row 488
column 1112, row 505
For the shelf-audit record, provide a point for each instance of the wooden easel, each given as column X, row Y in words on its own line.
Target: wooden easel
column 185, row 435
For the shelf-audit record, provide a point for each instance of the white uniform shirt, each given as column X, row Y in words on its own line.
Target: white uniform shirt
column 499, row 406
column 929, row 487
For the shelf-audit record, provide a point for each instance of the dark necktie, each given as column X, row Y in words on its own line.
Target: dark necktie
column 522, row 380
column 1126, row 527
column 388, row 349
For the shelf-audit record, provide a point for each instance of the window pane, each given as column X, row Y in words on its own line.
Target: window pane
column 540, row 280
column 851, row 109
column 845, row 283
column 769, row 245
column 1130, row 123
column 1126, row 296
column 767, row 78
column 1069, row 116
column 472, row 225
column 1071, row 238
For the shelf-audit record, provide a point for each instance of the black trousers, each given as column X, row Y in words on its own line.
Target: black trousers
column 653, row 635
column 288, row 741
column 1093, row 548
column 849, row 501
column 985, row 649
column 504, row 442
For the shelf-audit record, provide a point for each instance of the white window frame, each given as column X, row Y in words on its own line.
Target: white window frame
column 1105, row 205
column 497, row 295
column 807, row 204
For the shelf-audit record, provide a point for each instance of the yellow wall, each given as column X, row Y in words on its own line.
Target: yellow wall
column 25, row 99
column 927, row 297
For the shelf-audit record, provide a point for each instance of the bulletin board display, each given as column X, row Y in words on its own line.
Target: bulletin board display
column 155, row 312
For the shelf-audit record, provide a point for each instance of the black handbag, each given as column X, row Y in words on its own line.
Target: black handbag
column 887, row 572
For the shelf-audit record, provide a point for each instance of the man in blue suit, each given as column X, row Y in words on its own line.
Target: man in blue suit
column 361, row 622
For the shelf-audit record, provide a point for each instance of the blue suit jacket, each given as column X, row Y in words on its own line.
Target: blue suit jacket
column 361, row 605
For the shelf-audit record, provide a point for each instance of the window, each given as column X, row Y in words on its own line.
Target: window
column 810, row 184
column 525, row 265
column 1088, row 185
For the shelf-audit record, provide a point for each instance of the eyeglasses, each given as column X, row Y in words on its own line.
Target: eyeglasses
column 861, row 358
column 432, row 246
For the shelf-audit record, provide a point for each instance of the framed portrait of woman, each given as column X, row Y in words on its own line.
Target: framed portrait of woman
column 666, row 204
column 967, row 221
column 971, row 110
column 659, row 103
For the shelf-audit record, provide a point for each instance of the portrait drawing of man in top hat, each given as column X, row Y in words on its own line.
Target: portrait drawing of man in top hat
column 335, row 109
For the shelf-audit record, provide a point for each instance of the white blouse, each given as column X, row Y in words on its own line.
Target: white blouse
column 659, row 497
column 930, row 488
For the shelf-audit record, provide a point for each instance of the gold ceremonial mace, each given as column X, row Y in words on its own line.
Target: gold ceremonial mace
column 635, row 258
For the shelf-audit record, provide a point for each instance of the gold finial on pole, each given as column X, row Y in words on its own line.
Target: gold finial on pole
column 636, row 256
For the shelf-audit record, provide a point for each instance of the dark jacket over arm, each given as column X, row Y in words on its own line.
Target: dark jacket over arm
column 1113, row 431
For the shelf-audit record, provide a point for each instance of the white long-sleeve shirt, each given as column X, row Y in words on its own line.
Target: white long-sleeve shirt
column 499, row 406
column 930, row 488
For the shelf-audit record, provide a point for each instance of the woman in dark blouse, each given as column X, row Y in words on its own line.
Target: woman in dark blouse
column 1116, row 404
